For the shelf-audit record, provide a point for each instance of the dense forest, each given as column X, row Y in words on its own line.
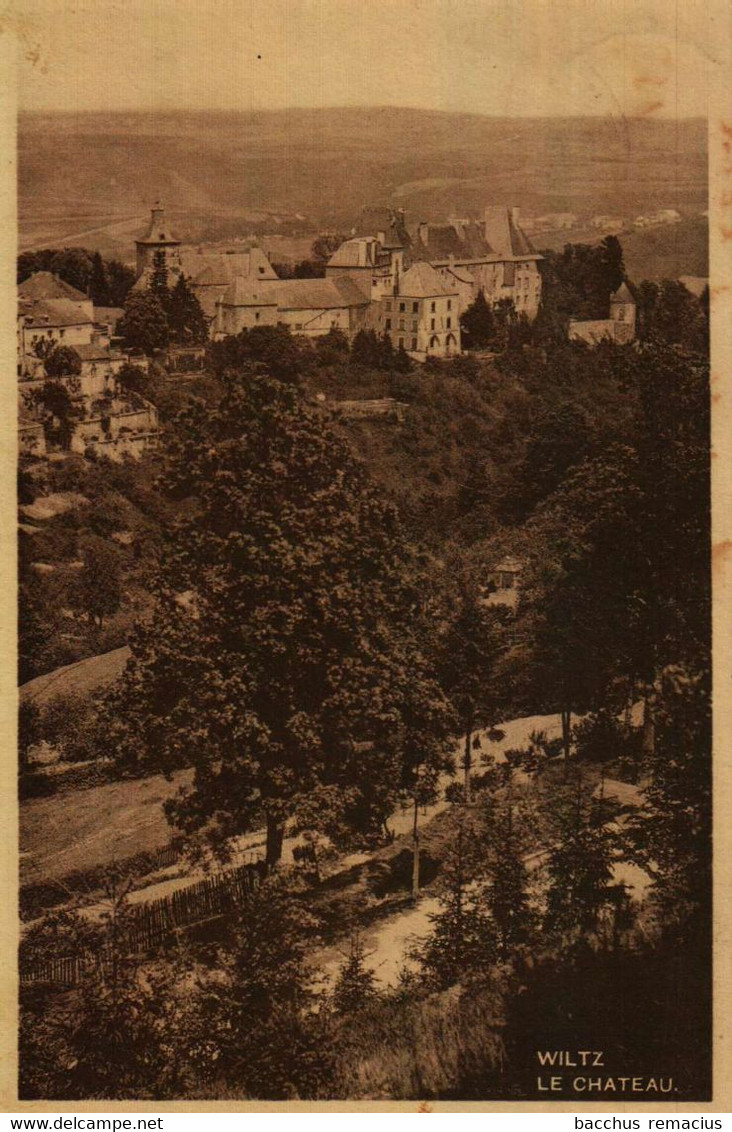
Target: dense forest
column 308, row 605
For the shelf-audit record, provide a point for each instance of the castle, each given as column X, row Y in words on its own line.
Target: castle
column 412, row 286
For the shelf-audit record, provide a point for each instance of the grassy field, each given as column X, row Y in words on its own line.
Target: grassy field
column 80, row 679
column 94, row 827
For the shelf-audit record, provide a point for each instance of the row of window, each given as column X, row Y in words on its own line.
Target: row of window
column 415, row 307
column 415, row 324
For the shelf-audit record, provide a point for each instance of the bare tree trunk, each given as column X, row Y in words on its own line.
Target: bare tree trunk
column 275, row 837
column 467, row 764
column 415, row 850
column 628, row 713
column 566, row 717
column 649, row 727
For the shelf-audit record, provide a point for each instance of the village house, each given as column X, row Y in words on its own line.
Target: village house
column 52, row 314
column 619, row 327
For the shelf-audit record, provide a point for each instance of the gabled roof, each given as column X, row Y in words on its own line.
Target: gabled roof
column 243, row 292
column 216, row 268
column 423, row 280
column 53, row 312
column 46, row 285
column 317, row 294
column 622, row 295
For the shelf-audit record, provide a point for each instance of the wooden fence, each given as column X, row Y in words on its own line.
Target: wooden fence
column 147, row 926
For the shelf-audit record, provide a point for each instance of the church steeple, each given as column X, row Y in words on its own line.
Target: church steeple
column 158, row 238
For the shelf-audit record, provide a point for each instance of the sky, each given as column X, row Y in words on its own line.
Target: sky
column 520, row 58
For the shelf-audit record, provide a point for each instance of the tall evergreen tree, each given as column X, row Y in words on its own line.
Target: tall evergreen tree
column 462, row 944
column 505, row 891
column 186, row 319
column 99, row 283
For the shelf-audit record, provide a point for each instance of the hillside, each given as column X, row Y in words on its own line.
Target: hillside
column 320, row 167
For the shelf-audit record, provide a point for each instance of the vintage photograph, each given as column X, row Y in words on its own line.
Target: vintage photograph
column 364, row 588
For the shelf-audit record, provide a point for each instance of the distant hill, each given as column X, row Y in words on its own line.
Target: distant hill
column 97, row 174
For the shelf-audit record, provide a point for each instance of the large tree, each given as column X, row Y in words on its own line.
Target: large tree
column 185, row 318
column 144, row 325
column 284, row 645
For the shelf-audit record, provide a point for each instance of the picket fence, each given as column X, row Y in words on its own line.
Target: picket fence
column 146, row 926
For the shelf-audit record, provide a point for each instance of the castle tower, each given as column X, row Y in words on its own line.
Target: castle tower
column 623, row 313
column 158, row 238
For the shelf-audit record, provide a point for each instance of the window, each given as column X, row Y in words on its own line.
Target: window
column 621, row 314
column 415, row 307
column 387, row 323
column 415, row 324
column 449, row 323
column 401, row 324
column 261, row 271
column 256, row 316
column 401, row 342
column 402, row 306
column 432, row 322
column 432, row 307
column 449, row 304
column 388, row 304
column 414, row 343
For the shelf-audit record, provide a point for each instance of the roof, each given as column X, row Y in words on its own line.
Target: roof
column 509, row 565
column 206, row 269
column 422, row 280
column 462, row 275
column 158, row 231
column 46, row 285
column 108, row 314
column 92, row 352
column 243, row 292
column 461, row 239
column 317, row 294
column 503, row 233
column 387, row 221
column 592, row 330
column 358, row 252
column 622, row 295
column 53, row 312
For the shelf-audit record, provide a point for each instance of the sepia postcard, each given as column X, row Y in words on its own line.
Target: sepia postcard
column 369, row 397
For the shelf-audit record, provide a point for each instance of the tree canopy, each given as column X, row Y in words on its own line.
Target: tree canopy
column 284, row 650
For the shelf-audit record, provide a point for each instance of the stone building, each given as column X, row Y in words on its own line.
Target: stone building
column 620, row 327
column 492, row 254
column 209, row 273
column 51, row 314
column 424, row 316
column 311, row 307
